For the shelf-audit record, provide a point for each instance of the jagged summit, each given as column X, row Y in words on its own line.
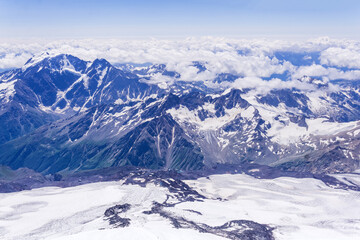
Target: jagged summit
column 65, row 114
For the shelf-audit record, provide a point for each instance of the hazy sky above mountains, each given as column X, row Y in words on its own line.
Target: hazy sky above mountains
column 229, row 36
column 174, row 19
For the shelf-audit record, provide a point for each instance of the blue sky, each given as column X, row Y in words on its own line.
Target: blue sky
column 181, row 18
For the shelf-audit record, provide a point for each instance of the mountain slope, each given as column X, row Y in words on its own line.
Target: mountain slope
column 50, row 88
column 65, row 114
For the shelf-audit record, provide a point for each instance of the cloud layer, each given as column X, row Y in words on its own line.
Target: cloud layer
column 251, row 60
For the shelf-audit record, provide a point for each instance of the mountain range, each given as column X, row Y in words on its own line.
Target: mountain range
column 60, row 114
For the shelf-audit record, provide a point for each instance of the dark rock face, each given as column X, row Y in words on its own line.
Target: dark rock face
column 18, row 120
column 112, row 215
column 245, row 230
column 158, row 144
column 181, row 192
column 237, row 229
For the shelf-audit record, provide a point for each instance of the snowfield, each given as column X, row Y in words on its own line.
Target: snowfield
column 295, row 208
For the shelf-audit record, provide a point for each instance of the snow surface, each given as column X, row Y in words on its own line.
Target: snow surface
column 297, row 208
column 283, row 131
column 36, row 59
column 291, row 132
column 184, row 115
column 7, row 90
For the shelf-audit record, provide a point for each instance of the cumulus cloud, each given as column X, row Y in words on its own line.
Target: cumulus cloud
column 341, row 57
column 319, row 71
column 261, row 86
column 250, row 60
column 13, row 60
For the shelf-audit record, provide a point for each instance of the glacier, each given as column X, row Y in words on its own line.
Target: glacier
column 292, row 208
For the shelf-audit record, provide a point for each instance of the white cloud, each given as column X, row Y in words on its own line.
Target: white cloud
column 11, row 60
column 261, row 86
column 341, row 57
column 323, row 72
column 219, row 55
column 162, row 81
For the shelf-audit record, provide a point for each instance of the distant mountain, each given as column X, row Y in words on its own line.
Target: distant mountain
column 62, row 114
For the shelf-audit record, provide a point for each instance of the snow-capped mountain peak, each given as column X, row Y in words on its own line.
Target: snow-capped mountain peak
column 90, row 110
